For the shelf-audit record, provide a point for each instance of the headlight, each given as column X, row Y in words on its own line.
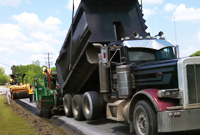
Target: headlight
column 168, row 93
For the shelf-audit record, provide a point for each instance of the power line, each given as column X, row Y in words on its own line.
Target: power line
column 48, row 59
column 175, row 30
column 5, row 64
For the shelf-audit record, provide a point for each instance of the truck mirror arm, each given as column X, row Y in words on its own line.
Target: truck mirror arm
column 114, row 54
column 118, row 64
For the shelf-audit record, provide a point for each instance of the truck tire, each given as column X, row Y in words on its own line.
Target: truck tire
column 67, row 103
column 92, row 106
column 39, row 112
column 77, row 107
column 46, row 112
column 144, row 119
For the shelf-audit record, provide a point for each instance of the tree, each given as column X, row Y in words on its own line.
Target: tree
column 3, row 77
column 31, row 70
column 53, row 68
column 195, row 54
column 36, row 63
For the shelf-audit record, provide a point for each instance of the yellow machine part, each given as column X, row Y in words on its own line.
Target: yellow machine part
column 19, row 91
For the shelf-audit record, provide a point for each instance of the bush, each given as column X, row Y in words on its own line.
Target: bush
column 195, row 54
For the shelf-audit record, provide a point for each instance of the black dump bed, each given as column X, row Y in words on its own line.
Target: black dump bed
column 96, row 21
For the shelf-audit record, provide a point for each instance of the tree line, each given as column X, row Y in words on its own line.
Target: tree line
column 30, row 70
column 3, row 76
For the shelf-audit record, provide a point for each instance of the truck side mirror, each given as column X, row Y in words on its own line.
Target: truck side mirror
column 177, row 51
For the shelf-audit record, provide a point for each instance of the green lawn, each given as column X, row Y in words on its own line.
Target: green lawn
column 11, row 123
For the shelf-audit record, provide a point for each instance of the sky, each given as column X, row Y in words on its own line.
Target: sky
column 29, row 29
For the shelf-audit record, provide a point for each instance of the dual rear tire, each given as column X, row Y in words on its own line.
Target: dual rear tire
column 88, row 106
column 77, row 107
column 92, row 105
column 67, row 103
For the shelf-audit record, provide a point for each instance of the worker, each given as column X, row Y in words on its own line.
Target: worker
column 45, row 71
column 30, row 92
column 12, row 81
column 49, row 71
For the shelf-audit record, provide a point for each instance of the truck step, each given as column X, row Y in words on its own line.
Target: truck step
column 114, row 110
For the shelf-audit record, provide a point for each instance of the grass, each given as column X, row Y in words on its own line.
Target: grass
column 11, row 123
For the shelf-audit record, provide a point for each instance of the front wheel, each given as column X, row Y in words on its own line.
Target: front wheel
column 144, row 119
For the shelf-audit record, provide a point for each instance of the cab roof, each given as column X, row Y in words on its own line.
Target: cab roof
column 155, row 44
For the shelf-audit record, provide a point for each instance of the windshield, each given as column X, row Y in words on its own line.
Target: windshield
column 141, row 54
column 166, row 53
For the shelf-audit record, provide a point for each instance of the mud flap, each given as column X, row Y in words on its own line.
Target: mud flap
column 132, row 130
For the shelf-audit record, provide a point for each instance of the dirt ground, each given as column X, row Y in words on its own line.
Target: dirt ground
column 42, row 126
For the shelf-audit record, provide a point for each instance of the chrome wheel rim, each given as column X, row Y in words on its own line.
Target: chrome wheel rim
column 87, row 106
column 142, row 122
column 75, row 107
column 66, row 106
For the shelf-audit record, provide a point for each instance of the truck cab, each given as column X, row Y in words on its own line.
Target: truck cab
column 150, row 62
column 149, row 72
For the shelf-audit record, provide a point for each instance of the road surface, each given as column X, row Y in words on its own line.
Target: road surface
column 100, row 127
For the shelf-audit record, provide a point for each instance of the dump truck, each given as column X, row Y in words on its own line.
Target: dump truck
column 108, row 64
column 17, row 88
column 47, row 94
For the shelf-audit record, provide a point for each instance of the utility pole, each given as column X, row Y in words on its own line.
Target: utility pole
column 48, row 63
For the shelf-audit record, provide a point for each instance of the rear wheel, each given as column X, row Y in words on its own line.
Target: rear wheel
column 77, row 107
column 92, row 106
column 39, row 112
column 44, row 112
column 144, row 119
column 67, row 103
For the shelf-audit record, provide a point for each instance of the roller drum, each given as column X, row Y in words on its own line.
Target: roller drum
column 19, row 95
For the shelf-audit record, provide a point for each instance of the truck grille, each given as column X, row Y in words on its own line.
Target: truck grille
column 193, row 80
